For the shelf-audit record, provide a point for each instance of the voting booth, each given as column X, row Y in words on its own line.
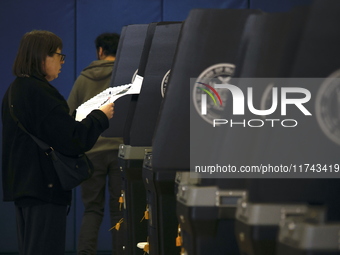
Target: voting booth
column 171, row 144
column 268, row 59
column 155, row 63
column 296, row 211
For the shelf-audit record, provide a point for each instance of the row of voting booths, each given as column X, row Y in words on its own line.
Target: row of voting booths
column 169, row 130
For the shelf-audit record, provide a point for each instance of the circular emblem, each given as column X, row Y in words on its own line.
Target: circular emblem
column 134, row 76
column 164, row 83
column 327, row 107
column 209, row 102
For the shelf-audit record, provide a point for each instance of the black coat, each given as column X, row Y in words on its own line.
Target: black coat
column 26, row 171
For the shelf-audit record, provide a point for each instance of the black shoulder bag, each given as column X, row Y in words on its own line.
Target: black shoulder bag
column 70, row 170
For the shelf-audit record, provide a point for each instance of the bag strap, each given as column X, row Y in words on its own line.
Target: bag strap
column 44, row 146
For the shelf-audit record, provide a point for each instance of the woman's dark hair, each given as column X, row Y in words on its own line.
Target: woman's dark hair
column 109, row 43
column 34, row 47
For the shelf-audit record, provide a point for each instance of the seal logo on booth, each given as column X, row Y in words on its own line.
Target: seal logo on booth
column 164, row 83
column 210, row 102
column 327, row 107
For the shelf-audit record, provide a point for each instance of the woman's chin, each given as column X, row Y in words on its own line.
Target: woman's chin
column 51, row 78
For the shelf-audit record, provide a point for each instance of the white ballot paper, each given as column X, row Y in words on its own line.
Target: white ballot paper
column 109, row 95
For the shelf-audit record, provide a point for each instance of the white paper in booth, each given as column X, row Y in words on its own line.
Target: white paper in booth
column 109, row 95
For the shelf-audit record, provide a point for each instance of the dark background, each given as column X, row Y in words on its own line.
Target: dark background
column 78, row 22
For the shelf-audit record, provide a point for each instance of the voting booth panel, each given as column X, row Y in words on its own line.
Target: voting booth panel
column 157, row 72
column 124, row 70
column 194, row 55
column 139, row 74
column 269, row 58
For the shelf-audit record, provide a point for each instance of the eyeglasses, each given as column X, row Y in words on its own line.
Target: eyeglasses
column 62, row 56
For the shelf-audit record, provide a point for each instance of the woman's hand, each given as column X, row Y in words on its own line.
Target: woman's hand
column 108, row 109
